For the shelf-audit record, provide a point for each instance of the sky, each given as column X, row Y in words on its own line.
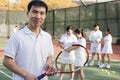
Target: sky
column 12, row 0
column 77, row 0
column 94, row 0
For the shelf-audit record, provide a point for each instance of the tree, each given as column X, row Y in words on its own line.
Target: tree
column 22, row 5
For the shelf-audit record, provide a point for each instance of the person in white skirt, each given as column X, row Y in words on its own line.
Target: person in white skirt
column 66, row 41
column 95, row 38
column 107, row 49
column 80, row 54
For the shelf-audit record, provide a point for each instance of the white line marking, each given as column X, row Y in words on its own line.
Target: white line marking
column 6, row 74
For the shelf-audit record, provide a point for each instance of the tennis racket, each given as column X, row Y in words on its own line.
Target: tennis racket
column 57, row 61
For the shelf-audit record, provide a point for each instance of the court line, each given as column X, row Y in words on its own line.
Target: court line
column 6, row 74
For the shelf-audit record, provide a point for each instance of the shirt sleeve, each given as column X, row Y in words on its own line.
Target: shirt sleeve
column 61, row 39
column 12, row 47
column 51, row 49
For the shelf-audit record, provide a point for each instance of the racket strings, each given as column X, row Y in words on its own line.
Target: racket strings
column 57, row 63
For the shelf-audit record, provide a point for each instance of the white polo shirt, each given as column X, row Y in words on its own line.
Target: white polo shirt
column 95, row 35
column 68, row 40
column 29, row 52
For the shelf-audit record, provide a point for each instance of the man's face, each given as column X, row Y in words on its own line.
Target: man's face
column 36, row 16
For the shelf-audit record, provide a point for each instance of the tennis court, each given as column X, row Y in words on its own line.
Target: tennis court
column 91, row 73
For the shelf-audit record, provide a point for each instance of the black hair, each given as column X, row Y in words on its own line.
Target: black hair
column 68, row 28
column 95, row 25
column 37, row 3
column 109, row 31
column 78, row 31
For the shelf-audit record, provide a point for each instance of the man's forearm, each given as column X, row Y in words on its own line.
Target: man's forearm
column 49, row 60
column 10, row 64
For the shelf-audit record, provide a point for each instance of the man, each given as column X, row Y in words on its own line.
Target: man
column 29, row 50
column 95, row 38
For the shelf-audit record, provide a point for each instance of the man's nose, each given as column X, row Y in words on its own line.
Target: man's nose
column 38, row 16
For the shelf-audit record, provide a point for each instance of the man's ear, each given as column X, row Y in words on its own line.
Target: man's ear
column 27, row 13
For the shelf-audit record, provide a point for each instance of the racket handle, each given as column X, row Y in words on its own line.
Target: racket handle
column 41, row 76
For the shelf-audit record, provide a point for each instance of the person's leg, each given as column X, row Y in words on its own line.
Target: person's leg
column 102, row 65
column 98, row 52
column 82, row 76
column 109, row 58
column 98, row 59
column 61, row 74
column 103, row 58
column 98, row 56
column 76, row 75
column 93, row 52
column 92, row 60
column 93, row 55
column 72, row 69
column 108, row 65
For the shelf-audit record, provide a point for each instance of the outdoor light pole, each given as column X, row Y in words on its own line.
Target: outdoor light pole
column 96, row 9
column 8, row 20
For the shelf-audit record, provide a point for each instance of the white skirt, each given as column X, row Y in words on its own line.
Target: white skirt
column 107, row 51
column 80, row 61
column 80, row 57
column 68, row 57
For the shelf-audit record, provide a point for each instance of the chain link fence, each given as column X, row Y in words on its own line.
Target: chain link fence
column 107, row 15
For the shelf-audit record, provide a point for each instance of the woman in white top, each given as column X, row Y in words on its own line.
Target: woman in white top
column 80, row 56
column 95, row 38
column 107, row 48
column 66, row 41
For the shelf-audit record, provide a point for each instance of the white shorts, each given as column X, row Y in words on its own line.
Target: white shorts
column 96, row 49
column 68, row 57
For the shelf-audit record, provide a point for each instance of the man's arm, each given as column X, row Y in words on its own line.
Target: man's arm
column 50, row 66
column 10, row 64
column 49, row 59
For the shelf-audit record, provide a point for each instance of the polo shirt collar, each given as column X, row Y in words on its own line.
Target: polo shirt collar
column 28, row 31
column 68, row 36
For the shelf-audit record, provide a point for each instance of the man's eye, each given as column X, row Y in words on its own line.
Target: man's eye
column 35, row 12
column 42, row 13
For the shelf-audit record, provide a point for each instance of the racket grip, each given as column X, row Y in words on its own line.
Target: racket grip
column 41, row 76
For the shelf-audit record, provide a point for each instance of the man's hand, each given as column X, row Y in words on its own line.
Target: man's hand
column 50, row 70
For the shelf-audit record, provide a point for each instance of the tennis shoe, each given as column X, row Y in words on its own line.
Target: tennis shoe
column 108, row 66
column 102, row 66
column 98, row 63
column 86, row 64
column 91, row 63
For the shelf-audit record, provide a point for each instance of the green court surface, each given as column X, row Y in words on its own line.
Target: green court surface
column 91, row 73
